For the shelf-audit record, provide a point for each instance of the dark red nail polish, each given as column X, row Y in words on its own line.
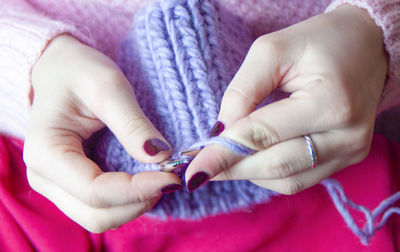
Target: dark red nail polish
column 216, row 129
column 154, row 146
column 171, row 188
column 197, row 180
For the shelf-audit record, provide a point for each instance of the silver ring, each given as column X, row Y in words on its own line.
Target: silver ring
column 311, row 151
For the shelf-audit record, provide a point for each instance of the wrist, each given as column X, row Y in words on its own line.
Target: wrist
column 57, row 49
column 362, row 24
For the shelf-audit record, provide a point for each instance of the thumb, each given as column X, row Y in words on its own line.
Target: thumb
column 120, row 111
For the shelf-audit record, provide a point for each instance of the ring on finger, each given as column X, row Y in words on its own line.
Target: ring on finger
column 311, row 150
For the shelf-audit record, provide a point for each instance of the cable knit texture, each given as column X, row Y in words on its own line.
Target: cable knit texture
column 180, row 57
column 26, row 26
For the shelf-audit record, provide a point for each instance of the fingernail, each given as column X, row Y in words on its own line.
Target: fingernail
column 216, row 129
column 197, row 180
column 171, row 188
column 172, row 164
column 191, row 152
column 154, row 146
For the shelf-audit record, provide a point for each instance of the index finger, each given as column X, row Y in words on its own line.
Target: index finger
column 285, row 119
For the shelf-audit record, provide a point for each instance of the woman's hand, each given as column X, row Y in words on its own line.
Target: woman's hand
column 334, row 67
column 77, row 91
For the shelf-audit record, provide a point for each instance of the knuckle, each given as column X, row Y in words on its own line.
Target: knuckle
column 107, row 78
column 140, row 196
column 134, row 125
column 291, row 186
column 29, row 155
column 31, row 180
column 97, row 220
column 34, row 159
column 93, row 199
column 268, row 44
column 222, row 164
column 235, row 93
column 148, row 205
column 361, row 143
column 227, row 174
column 279, row 168
column 95, row 224
column 262, row 135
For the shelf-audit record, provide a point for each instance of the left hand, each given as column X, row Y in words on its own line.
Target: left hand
column 334, row 67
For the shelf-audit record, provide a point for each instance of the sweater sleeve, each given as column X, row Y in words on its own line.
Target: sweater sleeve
column 24, row 33
column 386, row 14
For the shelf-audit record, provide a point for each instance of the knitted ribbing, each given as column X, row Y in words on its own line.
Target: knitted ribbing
column 179, row 57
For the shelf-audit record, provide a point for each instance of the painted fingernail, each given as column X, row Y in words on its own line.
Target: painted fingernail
column 191, row 152
column 172, row 164
column 216, row 129
column 197, row 180
column 171, row 188
column 154, row 146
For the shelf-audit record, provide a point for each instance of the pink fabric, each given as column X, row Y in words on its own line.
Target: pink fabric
column 27, row 26
column 307, row 221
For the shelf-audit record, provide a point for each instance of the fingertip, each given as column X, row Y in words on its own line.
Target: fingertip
column 153, row 184
column 157, row 179
column 197, row 180
column 151, row 150
column 154, row 145
column 171, row 188
column 217, row 129
column 207, row 164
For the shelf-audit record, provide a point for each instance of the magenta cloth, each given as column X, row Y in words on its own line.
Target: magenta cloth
column 307, row 221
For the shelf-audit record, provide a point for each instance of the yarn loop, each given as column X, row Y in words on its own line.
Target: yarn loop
column 179, row 57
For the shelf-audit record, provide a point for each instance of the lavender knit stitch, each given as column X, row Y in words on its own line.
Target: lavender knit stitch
column 179, row 58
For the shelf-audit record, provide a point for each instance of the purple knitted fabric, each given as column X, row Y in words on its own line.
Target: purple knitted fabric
column 180, row 57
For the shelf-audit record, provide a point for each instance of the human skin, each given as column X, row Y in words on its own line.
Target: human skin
column 333, row 65
column 334, row 68
column 77, row 91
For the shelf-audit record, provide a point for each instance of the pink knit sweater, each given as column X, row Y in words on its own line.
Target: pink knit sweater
column 27, row 26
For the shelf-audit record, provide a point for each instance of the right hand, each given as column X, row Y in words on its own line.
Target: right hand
column 77, row 91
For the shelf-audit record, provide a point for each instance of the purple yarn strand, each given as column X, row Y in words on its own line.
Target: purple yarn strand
column 336, row 193
column 237, row 148
column 386, row 215
column 341, row 200
column 179, row 58
column 385, row 204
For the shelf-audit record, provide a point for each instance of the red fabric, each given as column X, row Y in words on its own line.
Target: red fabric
column 307, row 221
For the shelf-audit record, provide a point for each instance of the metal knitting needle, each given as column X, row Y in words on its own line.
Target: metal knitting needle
column 172, row 164
column 191, row 152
